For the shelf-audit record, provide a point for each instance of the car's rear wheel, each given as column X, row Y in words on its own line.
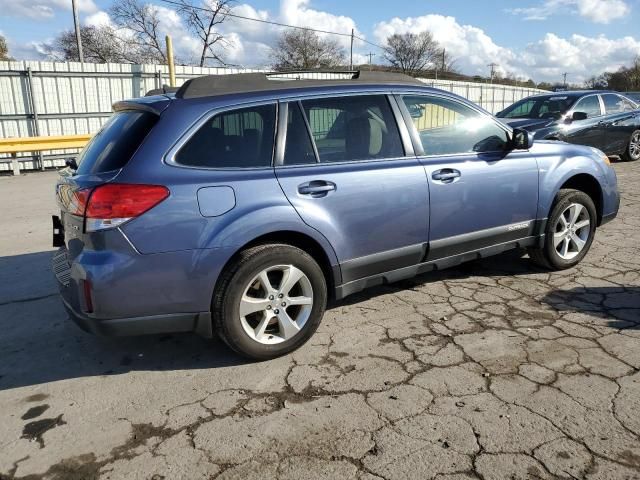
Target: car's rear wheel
column 569, row 232
column 632, row 153
column 269, row 301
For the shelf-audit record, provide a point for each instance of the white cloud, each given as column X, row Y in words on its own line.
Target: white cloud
column 578, row 55
column 545, row 60
column 598, row 11
column 42, row 9
column 98, row 19
column 472, row 48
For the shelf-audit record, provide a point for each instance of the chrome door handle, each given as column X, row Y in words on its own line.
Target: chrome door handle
column 446, row 175
column 316, row 188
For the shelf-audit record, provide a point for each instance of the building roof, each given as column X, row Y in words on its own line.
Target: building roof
column 213, row 85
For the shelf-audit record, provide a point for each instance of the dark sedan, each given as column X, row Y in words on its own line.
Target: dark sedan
column 608, row 121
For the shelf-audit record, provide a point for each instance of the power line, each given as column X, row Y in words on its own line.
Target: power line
column 279, row 24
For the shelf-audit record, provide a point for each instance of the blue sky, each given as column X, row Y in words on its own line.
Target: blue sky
column 536, row 39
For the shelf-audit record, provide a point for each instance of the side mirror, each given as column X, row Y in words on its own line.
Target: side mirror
column 579, row 116
column 71, row 163
column 521, row 139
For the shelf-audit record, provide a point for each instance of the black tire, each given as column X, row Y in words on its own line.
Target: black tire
column 547, row 256
column 236, row 279
column 632, row 154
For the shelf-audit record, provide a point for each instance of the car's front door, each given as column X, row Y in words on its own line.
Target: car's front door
column 344, row 167
column 480, row 193
column 590, row 130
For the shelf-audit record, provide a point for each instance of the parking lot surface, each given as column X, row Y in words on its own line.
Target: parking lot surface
column 492, row 370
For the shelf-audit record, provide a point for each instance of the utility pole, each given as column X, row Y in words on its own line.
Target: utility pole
column 492, row 66
column 76, row 24
column 370, row 55
column 172, row 67
column 351, row 54
column 564, row 79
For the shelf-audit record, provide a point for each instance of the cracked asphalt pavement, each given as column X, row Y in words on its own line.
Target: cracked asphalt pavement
column 493, row 370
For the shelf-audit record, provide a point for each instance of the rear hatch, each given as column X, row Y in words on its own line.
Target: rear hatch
column 99, row 163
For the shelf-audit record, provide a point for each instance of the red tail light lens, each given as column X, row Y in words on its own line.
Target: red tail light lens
column 124, row 200
column 115, row 203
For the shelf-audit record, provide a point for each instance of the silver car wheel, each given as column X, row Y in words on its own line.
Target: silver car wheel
column 572, row 231
column 634, row 146
column 276, row 304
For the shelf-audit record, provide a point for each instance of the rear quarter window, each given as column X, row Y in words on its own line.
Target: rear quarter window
column 241, row 138
column 116, row 142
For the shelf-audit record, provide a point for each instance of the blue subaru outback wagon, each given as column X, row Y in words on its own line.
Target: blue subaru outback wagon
column 240, row 204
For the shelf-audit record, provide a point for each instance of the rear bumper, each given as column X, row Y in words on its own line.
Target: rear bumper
column 75, row 304
column 199, row 323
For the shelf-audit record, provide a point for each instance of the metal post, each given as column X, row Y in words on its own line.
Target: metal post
column 76, row 24
column 34, row 112
column 15, row 164
column 351, row 52
column 172, row 67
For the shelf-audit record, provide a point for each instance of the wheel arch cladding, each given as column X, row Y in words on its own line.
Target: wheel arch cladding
column 588, row 184
column 303, row 242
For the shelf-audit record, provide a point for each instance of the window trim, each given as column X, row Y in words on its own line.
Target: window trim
column 405, row 138
column 415, row 135
column 170, row 157
column 600, row 101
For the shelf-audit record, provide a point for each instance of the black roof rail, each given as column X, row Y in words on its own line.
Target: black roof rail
column 211, row 85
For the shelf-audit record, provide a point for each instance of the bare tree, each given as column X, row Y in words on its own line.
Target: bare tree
column 411, row 52
column 100, row 45
column 203, row 21
column 141, row 22
column 4, row 50
column 305, row 50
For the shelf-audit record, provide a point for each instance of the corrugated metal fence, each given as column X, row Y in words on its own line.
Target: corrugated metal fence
column 47, row 98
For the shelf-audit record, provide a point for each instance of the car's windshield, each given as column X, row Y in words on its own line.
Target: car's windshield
column 549, row 106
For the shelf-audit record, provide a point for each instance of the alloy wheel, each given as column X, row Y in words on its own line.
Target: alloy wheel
column 572, row 231
column 276, row 304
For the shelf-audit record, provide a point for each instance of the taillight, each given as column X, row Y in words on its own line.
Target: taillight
column 78, row 201
column 113, row 204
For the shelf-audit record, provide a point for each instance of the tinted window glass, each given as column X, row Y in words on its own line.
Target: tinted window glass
column 235, row 139
column 298, row 149
column 353, row 128
column 113, row 146
column 552, row 106
column 589, row 105
column 616, row 104
column 447, row 127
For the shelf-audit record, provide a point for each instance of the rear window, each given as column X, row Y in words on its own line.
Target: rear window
column 113, row 146
column 240, row 138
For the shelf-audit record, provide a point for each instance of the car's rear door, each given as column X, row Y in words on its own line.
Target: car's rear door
column 481, row 194
column 620, row 120
column 348, row 168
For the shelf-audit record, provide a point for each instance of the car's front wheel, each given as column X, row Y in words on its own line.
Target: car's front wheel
column 569, row 232
column 632, row 153
column 269, row 301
